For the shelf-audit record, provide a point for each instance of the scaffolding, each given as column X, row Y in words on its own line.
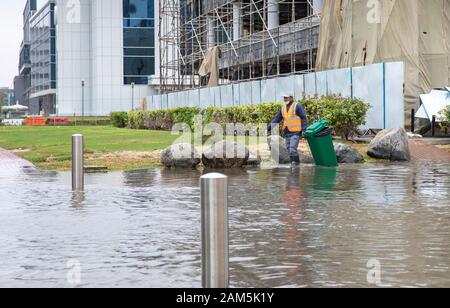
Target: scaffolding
column 257, row 39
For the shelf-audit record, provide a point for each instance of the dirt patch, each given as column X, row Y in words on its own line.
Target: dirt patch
column 445, row 147
column 18, row 151
column 126, row 155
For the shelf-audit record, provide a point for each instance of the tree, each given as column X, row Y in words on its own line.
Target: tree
column 446, row 114
column 2, row 98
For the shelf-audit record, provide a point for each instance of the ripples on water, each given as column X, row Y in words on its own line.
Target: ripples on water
column 315, row 228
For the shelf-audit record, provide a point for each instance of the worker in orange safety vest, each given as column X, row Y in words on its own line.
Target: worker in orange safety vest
column 295, row 122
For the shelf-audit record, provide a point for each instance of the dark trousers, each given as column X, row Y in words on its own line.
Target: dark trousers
column 292, row 142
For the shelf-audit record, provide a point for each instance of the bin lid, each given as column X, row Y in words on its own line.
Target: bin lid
column 317, row 127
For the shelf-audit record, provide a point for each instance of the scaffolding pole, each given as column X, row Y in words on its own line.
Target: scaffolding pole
column 187, row 28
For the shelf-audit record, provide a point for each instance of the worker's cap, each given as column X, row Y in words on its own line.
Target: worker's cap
column 288, row 95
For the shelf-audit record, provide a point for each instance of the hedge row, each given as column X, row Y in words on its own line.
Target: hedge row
column 162, row 119
column 344, row 114
column 165, row 119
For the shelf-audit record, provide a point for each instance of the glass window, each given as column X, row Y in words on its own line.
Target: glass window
column 138, row 40
column 138, row 37
column 43, row 50
column 139, row 23
column 139, row 66
column 149, row 52
column 138, row 9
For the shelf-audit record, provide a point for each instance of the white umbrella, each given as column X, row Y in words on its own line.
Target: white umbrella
column 16, row 107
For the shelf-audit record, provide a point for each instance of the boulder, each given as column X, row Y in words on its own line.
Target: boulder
column 390, row 144
column 225, row 154
column 278, row 149
column 253, row 160
column 306, row 158
column 347, row 155
column 182, row 155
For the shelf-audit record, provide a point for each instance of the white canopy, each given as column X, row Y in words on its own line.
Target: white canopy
column 433, row 104
column 16, row 107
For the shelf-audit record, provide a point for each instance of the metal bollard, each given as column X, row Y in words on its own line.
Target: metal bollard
column 214, row 207
column 77, row 163
column 413, row 120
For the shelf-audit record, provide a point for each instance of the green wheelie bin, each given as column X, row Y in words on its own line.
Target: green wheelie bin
column 321, row 144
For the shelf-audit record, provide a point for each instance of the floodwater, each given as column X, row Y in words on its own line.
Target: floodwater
column 316, row 227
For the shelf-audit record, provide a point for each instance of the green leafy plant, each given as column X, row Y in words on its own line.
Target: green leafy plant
column 162, row 119
column 136, row 119
column 185, row 115
column 344, row 114
column 119, row 119
column 446, row 114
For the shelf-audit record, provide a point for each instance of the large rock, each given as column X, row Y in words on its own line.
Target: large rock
column 278, row 149
column 253, row 160
column 347, row 155
column 225, row 154
column 182, row 155
column 306, row 158
column 390, row 144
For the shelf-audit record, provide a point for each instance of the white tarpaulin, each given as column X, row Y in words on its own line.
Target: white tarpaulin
column 433, row 104
column 448, row 89
column 415, row 32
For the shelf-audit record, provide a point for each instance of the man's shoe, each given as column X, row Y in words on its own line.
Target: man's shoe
column 295, row 161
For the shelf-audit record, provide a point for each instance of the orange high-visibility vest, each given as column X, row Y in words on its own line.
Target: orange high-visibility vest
column 291, row 120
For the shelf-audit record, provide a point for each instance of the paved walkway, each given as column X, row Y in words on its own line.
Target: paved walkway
column 422, row 150
column 9, row 161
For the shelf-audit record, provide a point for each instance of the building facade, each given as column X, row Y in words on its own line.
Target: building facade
column 105, row 55
column 22, row 82
column 92, row 57
column 43, row 60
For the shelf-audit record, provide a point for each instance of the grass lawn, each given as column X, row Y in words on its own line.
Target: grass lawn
column 50, row 147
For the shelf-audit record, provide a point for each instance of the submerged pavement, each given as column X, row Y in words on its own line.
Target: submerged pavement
column 11, row 162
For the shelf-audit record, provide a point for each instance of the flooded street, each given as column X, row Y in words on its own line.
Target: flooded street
column 315, row 227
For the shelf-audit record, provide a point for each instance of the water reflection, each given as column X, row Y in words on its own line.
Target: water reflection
column 288, row 228
column 78, row 199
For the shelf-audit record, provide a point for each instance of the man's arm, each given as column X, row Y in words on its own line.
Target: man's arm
column 277, row 120
column 302, row 114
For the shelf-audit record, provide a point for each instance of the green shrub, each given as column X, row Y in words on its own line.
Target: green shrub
column 217, row 115
column 446, row 114
column 158, row 120
column 162, row 119
column 185, row 115
column 252, row 114
column 344, row 114
column 268, row 111
column 119, row 119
